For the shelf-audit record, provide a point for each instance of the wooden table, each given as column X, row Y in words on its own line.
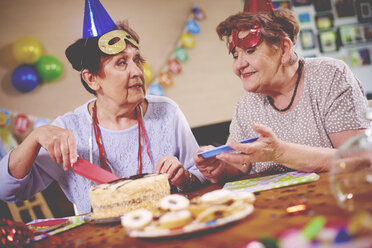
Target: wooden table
column 268, row 219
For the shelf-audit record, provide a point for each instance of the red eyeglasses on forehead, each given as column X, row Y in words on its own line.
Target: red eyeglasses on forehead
column 252, row 39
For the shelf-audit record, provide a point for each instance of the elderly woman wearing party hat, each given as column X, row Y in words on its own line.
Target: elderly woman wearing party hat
column 301, row 109
column 121, row 129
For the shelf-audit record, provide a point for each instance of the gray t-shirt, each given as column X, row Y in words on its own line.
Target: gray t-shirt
column 332, row 101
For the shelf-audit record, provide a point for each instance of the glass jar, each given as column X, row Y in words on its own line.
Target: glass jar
column 351, row 172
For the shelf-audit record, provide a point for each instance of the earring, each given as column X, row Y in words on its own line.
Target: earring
column 293, row 59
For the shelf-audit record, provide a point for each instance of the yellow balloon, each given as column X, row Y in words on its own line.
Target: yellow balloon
column 27, row 49
column 187, row 40
column 148, row 73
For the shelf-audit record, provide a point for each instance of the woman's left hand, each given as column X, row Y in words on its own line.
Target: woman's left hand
column 266, row 148
column 173, row 167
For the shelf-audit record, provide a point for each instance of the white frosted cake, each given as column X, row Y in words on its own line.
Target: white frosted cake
column 124, row 195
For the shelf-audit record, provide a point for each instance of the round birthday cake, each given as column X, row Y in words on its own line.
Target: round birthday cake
column 121, row 196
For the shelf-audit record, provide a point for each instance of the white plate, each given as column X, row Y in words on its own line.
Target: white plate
column 190, row 228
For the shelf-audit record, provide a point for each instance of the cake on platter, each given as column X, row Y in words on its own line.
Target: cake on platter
column 121, row 196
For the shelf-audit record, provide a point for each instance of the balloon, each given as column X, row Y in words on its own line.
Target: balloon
column 187, row 40
column 174, row 66
column 25, row 78
column 148, row 73
column 49, row 68
column 27, row 49
column 181, row 54
column 156, row 90
column 165, row 79
column 4, row 117
column 192, row 27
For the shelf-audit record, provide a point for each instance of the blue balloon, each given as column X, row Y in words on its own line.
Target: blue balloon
column 193, row 27
column 25, row 78
column 156, row 90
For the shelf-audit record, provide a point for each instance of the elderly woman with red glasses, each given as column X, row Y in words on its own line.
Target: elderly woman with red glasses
column 121, row 129
column 302, row 110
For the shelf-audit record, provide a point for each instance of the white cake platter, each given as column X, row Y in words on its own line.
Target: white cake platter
column 192, row 227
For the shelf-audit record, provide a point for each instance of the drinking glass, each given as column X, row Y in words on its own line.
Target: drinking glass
column 351, row 172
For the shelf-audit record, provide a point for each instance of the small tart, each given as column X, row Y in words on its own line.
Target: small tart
column 212, row 213
column 175, row 219
column 236, row 207
column 136, row 219
column 174, row 202
column 215, row 197
column 196, row 209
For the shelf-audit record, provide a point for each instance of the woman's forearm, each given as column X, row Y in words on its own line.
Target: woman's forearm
column 305, row 158
column 23, row 156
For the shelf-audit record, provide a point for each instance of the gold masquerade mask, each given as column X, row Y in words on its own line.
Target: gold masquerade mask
column 114, row 41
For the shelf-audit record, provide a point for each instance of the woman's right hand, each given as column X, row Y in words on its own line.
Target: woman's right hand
column 211, row 168
column 59, row 143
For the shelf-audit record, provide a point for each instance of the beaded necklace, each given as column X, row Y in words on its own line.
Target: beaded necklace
column 102, row 156
column 299, row 72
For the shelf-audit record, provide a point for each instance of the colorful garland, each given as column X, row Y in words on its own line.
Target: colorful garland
column 173, row 64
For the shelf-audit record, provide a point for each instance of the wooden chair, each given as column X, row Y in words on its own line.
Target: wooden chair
column 370, row 103
column 35, row 208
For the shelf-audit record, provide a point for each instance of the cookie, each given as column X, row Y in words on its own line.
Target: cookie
column 175, row 219
column 174, row 202
column 137, row 219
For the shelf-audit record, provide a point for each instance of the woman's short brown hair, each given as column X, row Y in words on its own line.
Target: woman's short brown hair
column 274, row 26
column 85, row 53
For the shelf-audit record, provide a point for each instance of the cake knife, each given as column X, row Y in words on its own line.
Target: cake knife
column 93, row 172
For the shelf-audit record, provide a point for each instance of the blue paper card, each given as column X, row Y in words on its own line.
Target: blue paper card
column 225, row 148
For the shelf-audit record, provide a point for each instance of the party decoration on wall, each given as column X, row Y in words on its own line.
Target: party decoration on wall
column 187, row 40
column 4, row 118
column 27, row 49
column 156, row 90
column 49, row 68
column 25, row 78
column 174, row 66
column 15, row 126
column 165, row 79
column 181, row 54
column 21, row 124
column 7, row 141
column 173, row 63
column 198, row 13
column 192, row 27
column 147, row 71
column 36, row 67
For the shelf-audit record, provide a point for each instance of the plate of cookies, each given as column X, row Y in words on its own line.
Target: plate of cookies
column 177, row 215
